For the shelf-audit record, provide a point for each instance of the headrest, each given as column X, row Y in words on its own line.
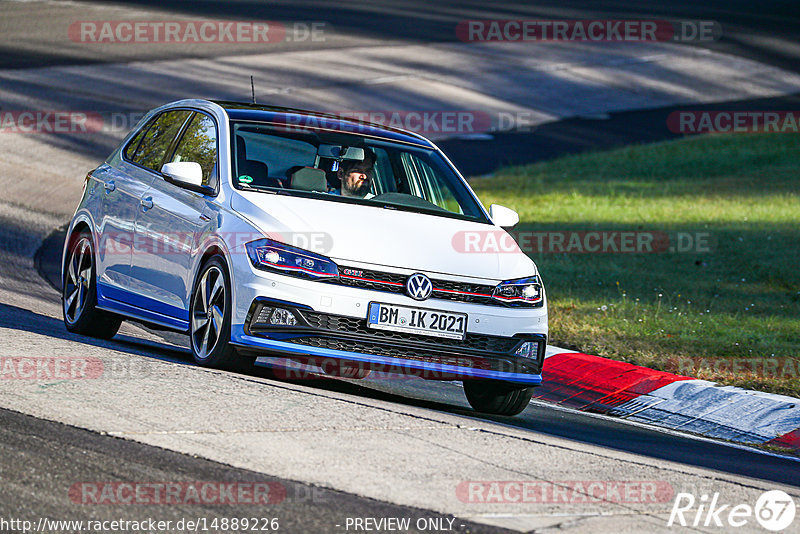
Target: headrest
column 309, row 179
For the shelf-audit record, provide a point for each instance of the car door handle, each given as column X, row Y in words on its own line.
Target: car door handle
column 109, row 186
column 147, row 203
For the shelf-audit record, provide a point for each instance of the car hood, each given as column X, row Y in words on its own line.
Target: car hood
column 382, row 237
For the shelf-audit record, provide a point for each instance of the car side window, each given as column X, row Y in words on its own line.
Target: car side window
column 426, row 183
column 158, row 138
column 130, row 150
column 199, row 144
column 383, row 180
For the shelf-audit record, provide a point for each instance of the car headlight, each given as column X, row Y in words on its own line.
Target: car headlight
column 272, row 255
column 521, row 292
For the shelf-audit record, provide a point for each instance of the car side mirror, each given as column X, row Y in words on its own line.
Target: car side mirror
column 184, row 172
column 503, row 216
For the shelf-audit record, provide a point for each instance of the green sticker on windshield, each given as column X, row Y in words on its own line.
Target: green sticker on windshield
column 245, row 179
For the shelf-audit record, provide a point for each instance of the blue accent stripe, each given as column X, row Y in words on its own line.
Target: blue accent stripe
column 238, row 337
column 131, row 304
column 374, row 310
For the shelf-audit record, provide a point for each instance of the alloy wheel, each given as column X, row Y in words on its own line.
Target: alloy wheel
column 77, row 281
column 208, row 312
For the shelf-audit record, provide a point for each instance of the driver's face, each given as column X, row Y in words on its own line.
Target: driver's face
column 357, row 180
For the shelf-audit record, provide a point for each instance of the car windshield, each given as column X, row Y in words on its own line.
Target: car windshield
column 346, row 167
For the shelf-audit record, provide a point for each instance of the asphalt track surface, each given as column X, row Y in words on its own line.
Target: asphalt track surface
column 42, row 458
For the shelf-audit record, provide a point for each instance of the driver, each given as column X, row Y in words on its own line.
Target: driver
column 356, row 176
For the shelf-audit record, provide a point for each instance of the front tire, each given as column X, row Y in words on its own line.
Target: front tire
column 497, row 398
column 210, row 317
column 79, row 292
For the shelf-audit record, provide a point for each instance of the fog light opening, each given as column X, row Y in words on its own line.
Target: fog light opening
column 282, row 317
column 276, row 317
column 529, row 349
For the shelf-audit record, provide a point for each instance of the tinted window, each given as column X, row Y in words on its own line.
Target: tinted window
column 156, row 141
column 384, row 178
column 199, row 144
column 130, row 150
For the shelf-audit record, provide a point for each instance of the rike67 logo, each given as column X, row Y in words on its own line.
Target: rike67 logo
column 774, row 510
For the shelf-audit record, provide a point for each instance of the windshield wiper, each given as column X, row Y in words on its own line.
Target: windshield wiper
column 264, row 189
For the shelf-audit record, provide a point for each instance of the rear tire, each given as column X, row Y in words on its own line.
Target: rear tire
column 79, row 291
column 497, row 398
column 210, row 317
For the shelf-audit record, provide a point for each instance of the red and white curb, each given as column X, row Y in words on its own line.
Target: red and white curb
column 595, row 384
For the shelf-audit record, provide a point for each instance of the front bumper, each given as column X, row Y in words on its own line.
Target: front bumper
column 319, row 335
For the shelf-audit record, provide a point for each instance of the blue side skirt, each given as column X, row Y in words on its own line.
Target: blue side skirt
column 138, row 307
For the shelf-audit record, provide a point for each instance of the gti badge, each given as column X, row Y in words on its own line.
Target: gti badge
column 419, row 287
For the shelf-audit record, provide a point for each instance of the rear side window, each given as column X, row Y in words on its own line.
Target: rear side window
column 153, row 146
column 130, row 150
column 199, row 144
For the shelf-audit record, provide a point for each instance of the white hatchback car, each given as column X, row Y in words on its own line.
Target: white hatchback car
column 264, row 231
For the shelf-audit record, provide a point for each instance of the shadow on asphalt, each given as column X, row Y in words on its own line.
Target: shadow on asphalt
column 578, row 135
column 67, row 458
column 764, row 31
column 16, row 318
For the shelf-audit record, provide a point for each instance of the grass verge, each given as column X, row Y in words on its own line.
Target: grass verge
column 718, row 299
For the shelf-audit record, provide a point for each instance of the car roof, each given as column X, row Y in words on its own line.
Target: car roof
column 301, row 118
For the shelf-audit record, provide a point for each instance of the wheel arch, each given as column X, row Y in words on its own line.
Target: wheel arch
column 211, row 250
column 78, row 226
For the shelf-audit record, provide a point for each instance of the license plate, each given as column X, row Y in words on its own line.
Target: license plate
column 417, row 321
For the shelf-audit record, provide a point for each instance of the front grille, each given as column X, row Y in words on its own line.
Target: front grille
column 461, row 292
column 338, row 323
column 396, row 283
column 374, row 280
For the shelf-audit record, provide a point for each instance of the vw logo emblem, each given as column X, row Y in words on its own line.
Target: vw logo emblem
column 419, row 287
